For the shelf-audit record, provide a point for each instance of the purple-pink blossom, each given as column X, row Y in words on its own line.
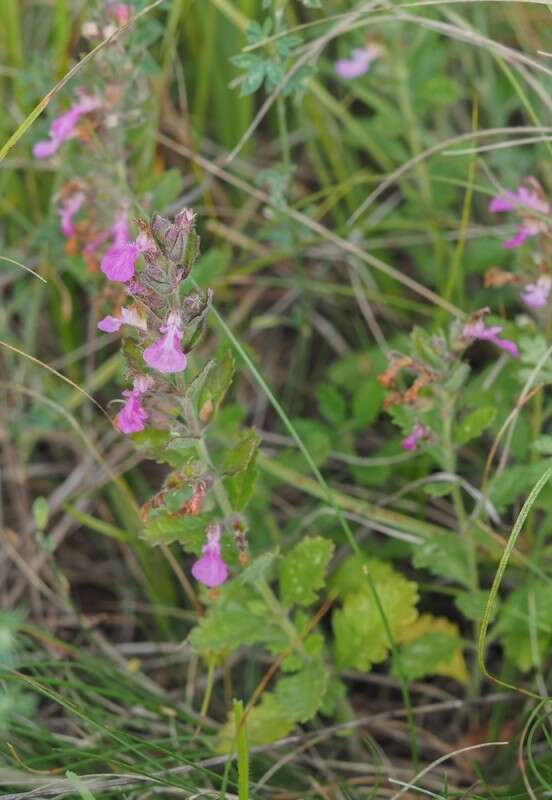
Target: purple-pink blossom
column 119, row 261
column 417, row 433
column 67, row 210
column 523, row 201
column 166, row 354
column 478, row 330
column 63, row 127
column 211, row 569
column 132, row 417
column 359, row 62
column 535, row 295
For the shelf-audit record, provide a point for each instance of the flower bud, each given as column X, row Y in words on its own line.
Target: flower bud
column 173, row 237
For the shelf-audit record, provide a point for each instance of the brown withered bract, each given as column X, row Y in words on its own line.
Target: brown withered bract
column 496, row 278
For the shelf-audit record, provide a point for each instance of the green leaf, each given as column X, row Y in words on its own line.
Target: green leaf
column 301, row 695
column 238, row 618
column 438, row 488
column 151, row 439
column 360, row 636
column 260, row 569
column 529, row 605
column 514, row 482
column 316, row 439
column 253, row 79
column 240, row 487
column 367, row 403
column 165, row 528
column 443, row 555
column 216, row 385
column 543, row 445
column 331, row 403
column 472, row 604
column 132, row 355
column 474, row 424
column 266, row 723
column 303, row 570
column 239, row 457
column 420, row 657
column 426, row 653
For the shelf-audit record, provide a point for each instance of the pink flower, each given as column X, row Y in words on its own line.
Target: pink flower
column 418, row 433
column 477, row 330
column 118, row 263
column 129, row 316
column 122, row 13
column 67, row 211
column 109, row 324
column 131, row 417
column 210, row 569
column 535, row 295
column 165, row 354
column 359, row 63
column 63, row 127
column 523, row 201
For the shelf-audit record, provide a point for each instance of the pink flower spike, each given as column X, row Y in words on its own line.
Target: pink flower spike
column 118, row 263
column 358, row 64
column 418, row 433
column 210, row 569
column 165, row 354
column 131, row 417
column 67, row 211
column 535, row 295
column 109, row 324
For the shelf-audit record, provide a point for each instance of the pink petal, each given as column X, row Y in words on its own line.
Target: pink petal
column 131, row 417
column 521, row 236
column 503, row 202
column 46, row 148
column 109, row 324
column 118, row 262
column 210, row 569
column 165, row 357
